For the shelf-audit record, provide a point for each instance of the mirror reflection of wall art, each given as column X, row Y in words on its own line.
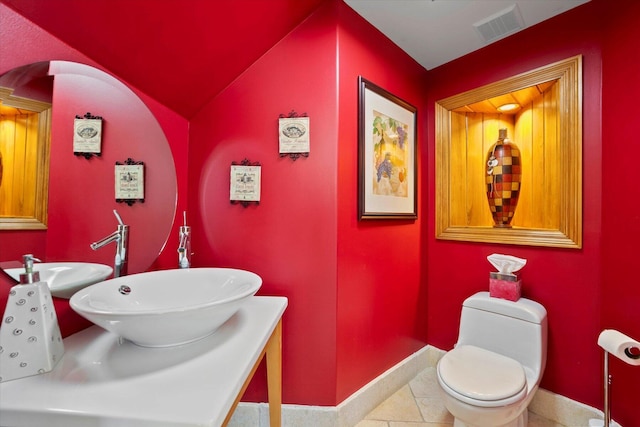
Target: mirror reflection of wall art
column 387, row 154
column 129, row 182
column 293, row 131
column 87, row 136
column 245, row 182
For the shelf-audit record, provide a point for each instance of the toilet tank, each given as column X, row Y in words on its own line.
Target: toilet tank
column 514, row 329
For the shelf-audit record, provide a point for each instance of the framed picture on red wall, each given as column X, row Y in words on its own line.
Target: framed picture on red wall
column 246, row 177
column 293, row 135
column 87, row 136
column 129, row 181
column 387, row 161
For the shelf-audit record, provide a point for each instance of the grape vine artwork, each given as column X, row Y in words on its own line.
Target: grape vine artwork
column 387, row 155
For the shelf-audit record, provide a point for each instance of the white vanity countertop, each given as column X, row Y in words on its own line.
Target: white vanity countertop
column 105, row 381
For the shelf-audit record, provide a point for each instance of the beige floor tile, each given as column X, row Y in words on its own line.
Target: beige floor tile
column 372, row 423
column 433, row 410
column 412, row 424
column 425, row 384
column 536, row 420
column 401, row 406
column 420, row 404
column 425, row 424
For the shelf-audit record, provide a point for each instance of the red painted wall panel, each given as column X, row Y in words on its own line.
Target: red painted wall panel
column 82, row 191
column 566, row 282
column 621, row 228
column 378, row 260
column 290, row 238
column 352, row 311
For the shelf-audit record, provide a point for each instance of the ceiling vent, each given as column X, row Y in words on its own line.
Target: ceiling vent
column 502, row 24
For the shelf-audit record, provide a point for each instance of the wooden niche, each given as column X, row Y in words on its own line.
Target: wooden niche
column 546, row 125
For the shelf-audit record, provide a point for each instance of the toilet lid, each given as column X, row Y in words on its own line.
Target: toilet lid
column 481, row 374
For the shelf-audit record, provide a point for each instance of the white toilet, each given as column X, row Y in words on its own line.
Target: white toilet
column 490, row 377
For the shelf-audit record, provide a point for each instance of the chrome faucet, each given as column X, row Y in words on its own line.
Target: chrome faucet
column 121, row 238
column 184, row 247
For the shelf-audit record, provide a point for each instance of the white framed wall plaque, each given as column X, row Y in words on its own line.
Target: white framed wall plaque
column 129, row 182
column 294, row 135
column 87, row 136
column 245, row 182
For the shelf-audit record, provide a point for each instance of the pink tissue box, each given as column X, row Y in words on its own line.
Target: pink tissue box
column 505, row 287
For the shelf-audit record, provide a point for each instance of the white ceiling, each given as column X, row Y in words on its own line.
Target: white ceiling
column 434, row 32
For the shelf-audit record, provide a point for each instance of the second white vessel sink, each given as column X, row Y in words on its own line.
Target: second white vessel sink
column 168, row 307
column 66, row 278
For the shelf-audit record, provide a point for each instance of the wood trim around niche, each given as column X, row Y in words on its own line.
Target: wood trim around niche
column 36, row 218
column 566, row 232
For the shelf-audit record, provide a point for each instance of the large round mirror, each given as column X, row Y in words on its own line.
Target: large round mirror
column 81, row 190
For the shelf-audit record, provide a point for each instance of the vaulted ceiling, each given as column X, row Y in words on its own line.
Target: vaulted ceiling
column 184, row 52
column 192, row 48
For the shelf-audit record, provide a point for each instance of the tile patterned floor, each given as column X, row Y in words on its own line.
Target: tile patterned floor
column 418, row 404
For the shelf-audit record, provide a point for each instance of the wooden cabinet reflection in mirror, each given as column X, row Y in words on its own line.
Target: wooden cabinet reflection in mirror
column 546, row 124
column 24, row 145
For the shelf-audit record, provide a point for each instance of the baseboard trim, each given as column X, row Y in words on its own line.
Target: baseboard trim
column 348, row 413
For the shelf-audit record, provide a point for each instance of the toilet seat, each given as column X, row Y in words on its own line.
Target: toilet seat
column 481, row 377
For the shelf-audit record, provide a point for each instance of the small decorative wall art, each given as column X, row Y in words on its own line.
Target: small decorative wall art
column 293, row 131
column 387, row 176
column 129, row 182
column 245, row 182
column 87, row 136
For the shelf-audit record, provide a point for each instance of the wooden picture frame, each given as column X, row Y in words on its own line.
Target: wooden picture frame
column 387, row 158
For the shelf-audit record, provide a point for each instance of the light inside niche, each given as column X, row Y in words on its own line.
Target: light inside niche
column 508, row 107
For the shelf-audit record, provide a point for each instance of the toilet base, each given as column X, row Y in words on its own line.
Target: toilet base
column 521, row 421
column 513, row 415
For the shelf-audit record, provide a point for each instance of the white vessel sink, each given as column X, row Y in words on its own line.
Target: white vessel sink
column 66, row 278
column 169, row 307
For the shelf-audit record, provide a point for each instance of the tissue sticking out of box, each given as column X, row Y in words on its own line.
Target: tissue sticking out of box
column 507, row 266
column 505, row 283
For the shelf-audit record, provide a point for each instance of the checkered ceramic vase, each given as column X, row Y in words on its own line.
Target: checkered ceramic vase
column 503, row 180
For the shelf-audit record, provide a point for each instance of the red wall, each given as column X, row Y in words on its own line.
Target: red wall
column 583, row 290
column 378, row 276
column 621, row 227
column 82, row 202
column 290, row 238
column 352, row 308
column 566, row 282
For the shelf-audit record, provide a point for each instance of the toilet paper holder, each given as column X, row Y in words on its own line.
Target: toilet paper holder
column 632, row 352
column 625, row 349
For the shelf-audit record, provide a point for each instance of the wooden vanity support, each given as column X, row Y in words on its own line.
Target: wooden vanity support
column 273, row 351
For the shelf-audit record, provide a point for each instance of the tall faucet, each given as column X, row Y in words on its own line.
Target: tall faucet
column 184, row 247
column 121, row 238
